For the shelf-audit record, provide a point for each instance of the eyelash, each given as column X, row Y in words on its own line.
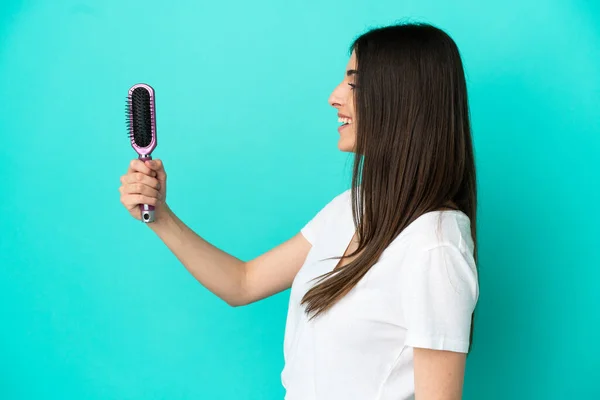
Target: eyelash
column 352, row 85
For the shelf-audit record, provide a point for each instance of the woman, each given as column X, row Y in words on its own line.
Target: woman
column 383, row 279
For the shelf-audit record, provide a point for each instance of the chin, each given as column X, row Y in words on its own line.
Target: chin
column 346, row 146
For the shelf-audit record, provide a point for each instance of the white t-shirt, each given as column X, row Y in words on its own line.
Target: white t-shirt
column 421, row 293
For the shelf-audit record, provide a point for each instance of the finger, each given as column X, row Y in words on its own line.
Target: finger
column 138, row 177
column 132, row 200
column 139, row 166
column 157, row 166
column 140, row 188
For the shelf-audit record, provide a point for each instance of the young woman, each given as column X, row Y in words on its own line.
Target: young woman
column 383, row 279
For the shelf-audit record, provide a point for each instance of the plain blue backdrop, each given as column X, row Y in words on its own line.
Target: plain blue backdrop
column 93, row 306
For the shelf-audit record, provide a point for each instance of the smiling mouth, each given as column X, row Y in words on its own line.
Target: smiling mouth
column 345, row 121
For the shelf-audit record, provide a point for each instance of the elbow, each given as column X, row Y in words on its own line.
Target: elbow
column 236, row 302
column 238, row 295
column 243, row 298
column 239, row 299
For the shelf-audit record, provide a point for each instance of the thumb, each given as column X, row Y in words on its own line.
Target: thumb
column 158, row 167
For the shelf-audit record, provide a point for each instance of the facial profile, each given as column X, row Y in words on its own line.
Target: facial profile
column 342, row 99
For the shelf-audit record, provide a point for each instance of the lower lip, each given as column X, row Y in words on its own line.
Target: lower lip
column 342, row 127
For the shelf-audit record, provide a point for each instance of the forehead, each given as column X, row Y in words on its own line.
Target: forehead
column 352, row 61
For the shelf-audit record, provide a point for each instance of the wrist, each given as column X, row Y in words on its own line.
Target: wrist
column 163, row 216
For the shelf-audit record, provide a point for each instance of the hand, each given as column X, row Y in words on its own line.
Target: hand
column 144, row 183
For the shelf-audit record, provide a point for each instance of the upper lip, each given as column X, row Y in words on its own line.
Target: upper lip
column 340, row 115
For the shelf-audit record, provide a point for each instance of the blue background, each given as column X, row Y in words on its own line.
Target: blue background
column 93, row 306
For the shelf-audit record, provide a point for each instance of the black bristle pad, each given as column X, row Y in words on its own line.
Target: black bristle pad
column 141, row 129
column 128, row 117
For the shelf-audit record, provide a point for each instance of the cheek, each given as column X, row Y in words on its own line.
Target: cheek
column 350, row 100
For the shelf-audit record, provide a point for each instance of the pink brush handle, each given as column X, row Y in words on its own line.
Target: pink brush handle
column 146, row 210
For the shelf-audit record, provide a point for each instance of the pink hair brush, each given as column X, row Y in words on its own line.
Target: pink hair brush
column 141, row 124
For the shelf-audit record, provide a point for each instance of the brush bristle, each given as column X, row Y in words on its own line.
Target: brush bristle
column 139, row 117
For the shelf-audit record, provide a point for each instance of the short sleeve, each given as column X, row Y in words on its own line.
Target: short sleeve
column 315, row 226
column 439, row 298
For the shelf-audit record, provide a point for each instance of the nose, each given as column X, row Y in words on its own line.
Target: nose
column 336, row 99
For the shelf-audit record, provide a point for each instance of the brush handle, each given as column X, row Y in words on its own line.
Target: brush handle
column 146, row 210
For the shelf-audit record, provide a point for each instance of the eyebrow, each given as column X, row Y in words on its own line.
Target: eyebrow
column 351, row 72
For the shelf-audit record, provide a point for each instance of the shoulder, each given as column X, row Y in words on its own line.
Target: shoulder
column 338, row 203
column 448, row 229
column 437, row 246
column 344, row 197
column 335, row 209
column 440, row 253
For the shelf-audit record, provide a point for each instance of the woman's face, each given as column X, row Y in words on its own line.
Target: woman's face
column 342, row 99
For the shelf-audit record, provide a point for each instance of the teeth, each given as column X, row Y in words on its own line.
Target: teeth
column 345, row 120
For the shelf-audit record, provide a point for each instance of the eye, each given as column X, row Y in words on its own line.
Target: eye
column 352, row 85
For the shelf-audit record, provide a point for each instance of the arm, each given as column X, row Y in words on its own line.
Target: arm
column 439, row 374
column 233, row 280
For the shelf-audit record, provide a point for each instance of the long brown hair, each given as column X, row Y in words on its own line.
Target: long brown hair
column 414, row 151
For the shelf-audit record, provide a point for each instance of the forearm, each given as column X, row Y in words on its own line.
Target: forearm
column 221, row 273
